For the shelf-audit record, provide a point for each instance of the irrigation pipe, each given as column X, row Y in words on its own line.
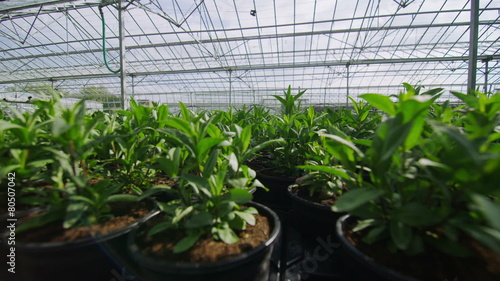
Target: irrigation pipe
column 104, row 41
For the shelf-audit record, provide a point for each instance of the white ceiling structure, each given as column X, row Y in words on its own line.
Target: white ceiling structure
column 233, row 52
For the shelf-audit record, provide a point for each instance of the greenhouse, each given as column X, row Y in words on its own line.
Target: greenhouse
column 228, row 140
column 229, row 53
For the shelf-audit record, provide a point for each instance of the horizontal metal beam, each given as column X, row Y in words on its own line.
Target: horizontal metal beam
column 257, row 37
column 256, row 67
column 33, row 4
column 260, row 92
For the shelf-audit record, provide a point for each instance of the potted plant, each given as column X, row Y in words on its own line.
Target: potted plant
column 127, row 155
column 211, row 232
column 313, row 194
column 429, row 208
column 330, row 164
column 83, row 224
column 23, row 157
column 298, row 129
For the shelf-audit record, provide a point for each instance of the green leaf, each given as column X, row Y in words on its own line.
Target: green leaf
column 181, row 125
column 227, row 235
column 401, row 234
column 199, row 220
column 344, row 142
column 489, row 209
column 246, row 137
column 362, row 224
column 489, row 237
column 169, row 207
column 252, row 151
column 240, row 196
column 211, row 163
column 375, row 234
column 389, row 137
column 424, row 162
column 356, row 198
column 196, row 181
column 433, row 92
column 225, row 208
column 237, row 223
column 238, row 183
column 59, row 127
column 327, row 169
column 249, row 218
column 74, row 213
column 186, row 243
column 51, row 215
column 417, row 215
column 233, row 162
column 5, row 125
column 82, row 199
column 123, row 198
column 470, row 100
column 381, row 102
column 204, row 146
column 156, row 189
column 180, row 213
column 250, row 210
column 170, row 164
column 368, row 211
column 160, row 228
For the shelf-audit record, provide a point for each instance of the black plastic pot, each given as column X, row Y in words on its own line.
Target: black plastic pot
column 316, row 225
column 94, row 258
column 276, row 197
column 253, row 265
column 311, row 218
column 361, row 266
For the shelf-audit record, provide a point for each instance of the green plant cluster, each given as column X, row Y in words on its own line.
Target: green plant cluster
column 421, row 173
column 301, row 130
column 428, row 177
column 76, row 164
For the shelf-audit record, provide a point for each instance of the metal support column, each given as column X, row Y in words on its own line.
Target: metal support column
column 123, row 77
column 347, row 87
column 486, row 72
column 230, row 87
column 474, row 19
column 133, row 86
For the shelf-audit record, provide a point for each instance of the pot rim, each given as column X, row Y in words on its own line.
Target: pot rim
column 80, row 243
column 364, row 259
column 307, row 202
column 285, row 178
column 200, row 268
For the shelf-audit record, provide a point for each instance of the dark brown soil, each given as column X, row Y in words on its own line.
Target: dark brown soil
column 207, row 249
column 163, row 181
column 320, row 198
column 434, row 265
column 126, row 214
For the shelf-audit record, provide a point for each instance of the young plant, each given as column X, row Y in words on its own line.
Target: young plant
column 300, row 141
column 135, row 144
column 213, row 182
column 430, row 183
column 70, row 197
column 290, row 103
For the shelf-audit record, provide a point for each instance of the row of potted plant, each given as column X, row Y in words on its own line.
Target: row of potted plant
column 422, row 193
column 418, row 178
column 94, row 176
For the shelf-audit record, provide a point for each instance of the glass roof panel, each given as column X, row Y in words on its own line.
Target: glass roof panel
column 230, row 52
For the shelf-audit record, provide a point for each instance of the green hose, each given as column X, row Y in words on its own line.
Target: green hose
column 104, row 42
